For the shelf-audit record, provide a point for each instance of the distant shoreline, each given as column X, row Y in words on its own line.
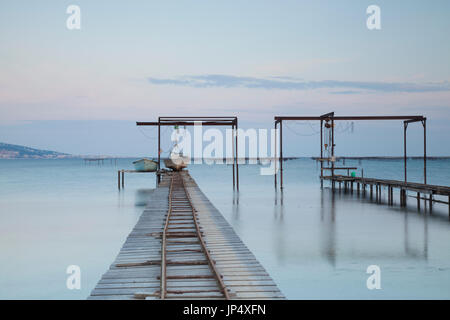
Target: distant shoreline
column 97, row 158
column 13, row 151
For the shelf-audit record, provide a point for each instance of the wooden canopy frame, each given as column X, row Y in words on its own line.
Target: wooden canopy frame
column 330, row 117
column 204, row 121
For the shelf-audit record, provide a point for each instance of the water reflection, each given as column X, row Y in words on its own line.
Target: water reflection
column 409, row 250
column 142, row 197
column 328, row 230
column 280, row 239
column 317, row 243
column 120, row 199
column 235, row 207
column 278, row 198
column 329, row 240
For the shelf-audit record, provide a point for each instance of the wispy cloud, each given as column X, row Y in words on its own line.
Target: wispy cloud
column 290, row 83
column 345, row 92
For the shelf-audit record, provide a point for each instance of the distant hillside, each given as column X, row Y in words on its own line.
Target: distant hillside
column 12, row 151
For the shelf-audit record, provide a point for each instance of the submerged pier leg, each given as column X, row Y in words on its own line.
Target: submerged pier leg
column 431, row 202
column 404, row 197
column 118, row 179
column 418, row 201
column 388, row 196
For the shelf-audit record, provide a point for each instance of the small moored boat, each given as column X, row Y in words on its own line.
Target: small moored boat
column 176, row 163
column 145, row 165
column 176, row 160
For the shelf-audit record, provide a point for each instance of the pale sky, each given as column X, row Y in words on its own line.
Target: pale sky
column 137, row 60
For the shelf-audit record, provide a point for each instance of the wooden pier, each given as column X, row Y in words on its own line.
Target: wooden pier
column 423, row 191
column 183, row 248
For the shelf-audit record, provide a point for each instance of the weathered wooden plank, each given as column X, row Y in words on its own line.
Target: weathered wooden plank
column 138, row 276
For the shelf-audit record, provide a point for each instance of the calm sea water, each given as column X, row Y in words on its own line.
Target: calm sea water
column 315, row 244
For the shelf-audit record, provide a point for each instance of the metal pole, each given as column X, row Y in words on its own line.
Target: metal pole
column 405, row 126
column 332, row 145
column 276, row 156
column 425, row 151
column 232, row 142
column 281, row 154
column 237, row 157
column 321, row 153
column 159, row 150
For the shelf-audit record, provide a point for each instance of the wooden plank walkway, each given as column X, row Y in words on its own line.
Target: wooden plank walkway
column 131, row 276
column 412, row 186
column 419, row 188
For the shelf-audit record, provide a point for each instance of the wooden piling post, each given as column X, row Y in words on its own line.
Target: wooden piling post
column 403, row 197
column 431, row 202
column 123, row 179
column 418, row 201
column 118, row 179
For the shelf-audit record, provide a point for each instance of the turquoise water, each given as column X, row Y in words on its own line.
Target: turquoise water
column 314, row 243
